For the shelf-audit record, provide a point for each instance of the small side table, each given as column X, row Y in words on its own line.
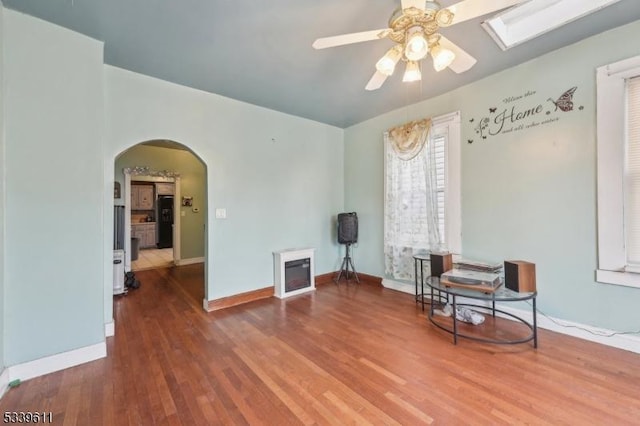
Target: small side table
column 419, row 278
column 418, row 263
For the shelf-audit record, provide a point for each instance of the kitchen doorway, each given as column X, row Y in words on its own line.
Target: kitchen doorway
column 155, row 162
column 164, row 205
column 144, row 217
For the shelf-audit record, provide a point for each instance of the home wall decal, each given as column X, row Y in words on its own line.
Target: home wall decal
column 522, row 112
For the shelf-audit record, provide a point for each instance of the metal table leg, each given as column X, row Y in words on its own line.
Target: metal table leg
column 455, row 322
column 422, row 285
column 431, row 304
column 415, row 276
column 535, row 324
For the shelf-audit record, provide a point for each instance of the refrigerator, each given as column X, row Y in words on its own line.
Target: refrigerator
column 164, row 221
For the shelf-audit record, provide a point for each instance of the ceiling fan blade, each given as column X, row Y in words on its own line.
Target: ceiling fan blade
column 340, row 40
column 376, row 81
column 469, row 9
column 463, row 60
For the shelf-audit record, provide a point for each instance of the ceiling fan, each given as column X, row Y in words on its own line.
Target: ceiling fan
column 414, row 28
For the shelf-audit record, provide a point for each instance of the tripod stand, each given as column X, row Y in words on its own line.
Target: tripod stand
column 345, row 267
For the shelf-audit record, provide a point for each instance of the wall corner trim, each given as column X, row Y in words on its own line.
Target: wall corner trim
column 4, row 381
column 191, row 261
column 238, row 299
column 110, row 329
column 50, row 364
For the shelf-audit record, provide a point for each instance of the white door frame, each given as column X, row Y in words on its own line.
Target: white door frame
column 150, row 176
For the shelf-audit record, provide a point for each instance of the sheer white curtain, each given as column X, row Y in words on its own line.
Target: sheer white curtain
column 411, row 222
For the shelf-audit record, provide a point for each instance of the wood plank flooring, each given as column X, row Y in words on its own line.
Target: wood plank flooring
column 347, row 354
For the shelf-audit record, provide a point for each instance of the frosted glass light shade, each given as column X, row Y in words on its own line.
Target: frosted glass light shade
column 412, row 72
column 416, row 47
column 442, row 57
column 387, row 64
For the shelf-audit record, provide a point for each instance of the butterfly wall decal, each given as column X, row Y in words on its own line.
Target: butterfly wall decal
column 492, row 110
column 565, row 101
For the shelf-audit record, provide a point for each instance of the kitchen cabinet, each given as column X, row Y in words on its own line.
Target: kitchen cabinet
column 163, row 188
column 141, row 197
column 145, row 232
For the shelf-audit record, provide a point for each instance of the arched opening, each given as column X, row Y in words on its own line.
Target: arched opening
column 160, row 209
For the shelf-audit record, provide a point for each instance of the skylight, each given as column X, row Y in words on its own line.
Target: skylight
column 536, row 17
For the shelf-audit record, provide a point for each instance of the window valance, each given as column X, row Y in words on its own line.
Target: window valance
column 408, row 139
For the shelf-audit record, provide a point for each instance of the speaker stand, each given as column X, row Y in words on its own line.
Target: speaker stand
column 346, row 262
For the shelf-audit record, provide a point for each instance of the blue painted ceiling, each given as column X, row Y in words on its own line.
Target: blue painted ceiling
column 260, row 52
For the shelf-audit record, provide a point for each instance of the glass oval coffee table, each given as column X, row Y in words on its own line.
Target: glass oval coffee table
column 485, row 302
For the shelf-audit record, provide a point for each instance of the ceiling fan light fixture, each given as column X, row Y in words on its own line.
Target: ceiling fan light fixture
column 442, row 57
column 416, row 47
column 444, row 17
column 387, row 64
column 412, row 72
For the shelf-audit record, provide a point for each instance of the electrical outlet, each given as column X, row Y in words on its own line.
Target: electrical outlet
column 221, row 213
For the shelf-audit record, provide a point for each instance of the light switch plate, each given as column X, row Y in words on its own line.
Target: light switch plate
column 221, row 213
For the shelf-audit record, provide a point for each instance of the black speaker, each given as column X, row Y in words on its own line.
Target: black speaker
column 440, row 263
column 520, row 276
column 348, row 228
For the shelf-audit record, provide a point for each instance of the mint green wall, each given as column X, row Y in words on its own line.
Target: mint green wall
column 528, row 194
column 192, row 183
column 54, row 261
column 279, row 177
column 2, row 191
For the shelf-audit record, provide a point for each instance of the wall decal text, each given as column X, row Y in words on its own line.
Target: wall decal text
column 521, row 112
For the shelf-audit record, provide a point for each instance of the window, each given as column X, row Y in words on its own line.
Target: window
column 619, row 173
column 534, row 18
column 408, row 202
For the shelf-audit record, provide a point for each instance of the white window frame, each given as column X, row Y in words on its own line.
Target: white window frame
column 611, row 146
column 450, row 124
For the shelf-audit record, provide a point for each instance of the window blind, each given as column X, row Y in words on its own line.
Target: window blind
column 440, row 151
column 632, row 175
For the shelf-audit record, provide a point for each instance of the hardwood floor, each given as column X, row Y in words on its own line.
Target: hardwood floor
column 347, row 354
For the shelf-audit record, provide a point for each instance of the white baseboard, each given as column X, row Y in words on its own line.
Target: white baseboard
column 570, row 328
column 581, row 331
column 110, row 329
column 57, row 362
column 4, row 381
column 191, row 261
column 399, row 286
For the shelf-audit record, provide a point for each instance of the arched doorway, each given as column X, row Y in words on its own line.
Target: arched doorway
column 154, row 164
